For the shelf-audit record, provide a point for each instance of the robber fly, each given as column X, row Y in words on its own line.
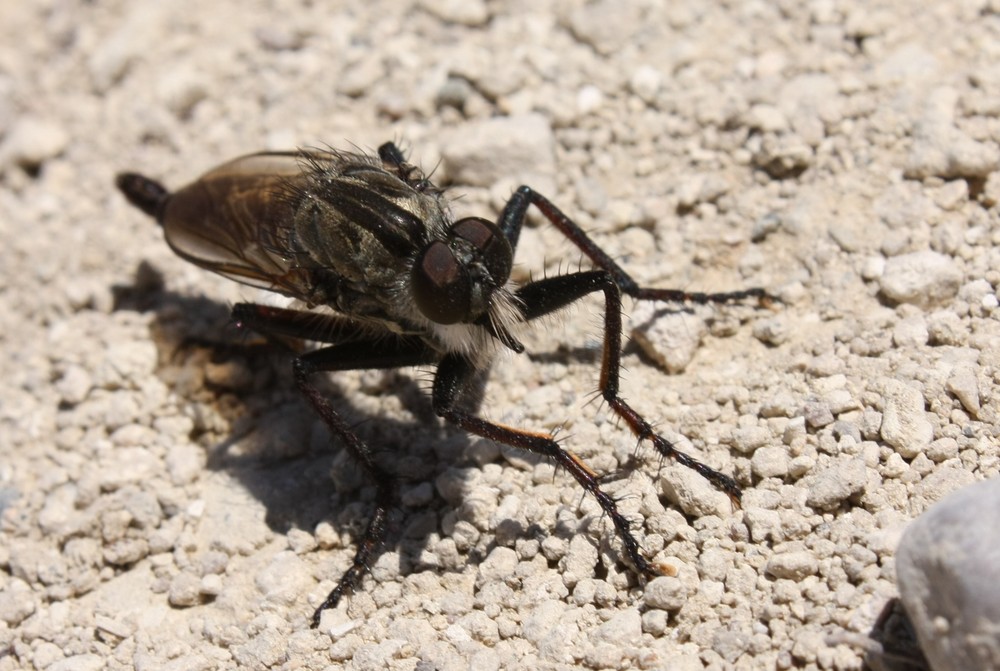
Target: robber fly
column 406, row 284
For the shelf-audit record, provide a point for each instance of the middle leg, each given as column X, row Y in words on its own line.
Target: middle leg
column 355, row 354
column 454, row 375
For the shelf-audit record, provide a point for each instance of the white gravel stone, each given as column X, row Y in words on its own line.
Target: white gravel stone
column 499, row 565
column 939, row 483
column 301, row 542
column 185, row 462
column 945, row 328
column 942, row 150
column 671, row 340
column 580, row 559
column 588, row 100
column 16, row 602
column 694, row 494
column 185, row 590
column 264, row 650
column 211, row 585
column 74, row 385
column 666, row 593
column 904, row 425
column 464, row 12
column 763, row 524
column 603, row 24
column 623, row 628
column 59, row 517
column 730, row 644
column 131, row 35
column 910, row 332
column 748, row 440
column 128, row 465
column 780, row 405
column 962, row 383
column 947, row 567
column 180, row 89
column 770, row 462
column 817, row 414
column 923, row 278
column 773, row 331
column 942, row 449
column 31, row 142
column 485, row 152
column 285, row 579
column 646, row 82
column 834, row 484
column 82, row 662
column 795, row 565
column 767, row 118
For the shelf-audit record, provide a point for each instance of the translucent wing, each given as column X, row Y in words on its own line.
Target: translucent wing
column 234, row 220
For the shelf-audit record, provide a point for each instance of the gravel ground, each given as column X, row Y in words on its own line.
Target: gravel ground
column 166, row 505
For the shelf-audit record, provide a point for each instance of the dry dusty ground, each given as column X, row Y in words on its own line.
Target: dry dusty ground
column 167, row 507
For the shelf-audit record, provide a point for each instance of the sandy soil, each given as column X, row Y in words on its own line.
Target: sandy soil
column 166, row 505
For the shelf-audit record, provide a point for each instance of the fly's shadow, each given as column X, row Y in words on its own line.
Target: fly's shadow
column 256, row 427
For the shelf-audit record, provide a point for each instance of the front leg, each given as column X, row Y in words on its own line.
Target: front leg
column 552, row 293
column 512, row 220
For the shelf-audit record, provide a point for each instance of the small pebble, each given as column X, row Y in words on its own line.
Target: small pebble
column 74, row 385
column 792, row 565
column 693, row 494
column 942, row 150
column 624, row 628
column 904, row 424
column 463, row 12
column 671, row 340
column 285, row 579
column 831, row 486
column 962, row 383
column 264, row 650
column 747, row 440
column 665, row 593
column 646, row 82
column 481, row 153
column 817, row 414
column 185, row 590
column 922, row 278
column 770, row 462
column 31, row 142
column 498, row 565
column 16, row 602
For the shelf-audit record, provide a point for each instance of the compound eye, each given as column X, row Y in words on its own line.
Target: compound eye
column 442, row 288
column 494, row 250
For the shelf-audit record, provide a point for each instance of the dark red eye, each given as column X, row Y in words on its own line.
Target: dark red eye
column 442, row 287
column 494, row 250
column 454, row 279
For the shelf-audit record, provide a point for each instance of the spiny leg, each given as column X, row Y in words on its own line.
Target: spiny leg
column 386, row 489
column 300, row 324
column 512, row 219
column 547, row 295
column 454, row 375
column 357, row 355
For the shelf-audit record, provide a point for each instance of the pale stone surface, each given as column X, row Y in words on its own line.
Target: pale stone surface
column 948, row 566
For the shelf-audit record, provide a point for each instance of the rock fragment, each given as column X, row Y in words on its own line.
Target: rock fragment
column 948, row 568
